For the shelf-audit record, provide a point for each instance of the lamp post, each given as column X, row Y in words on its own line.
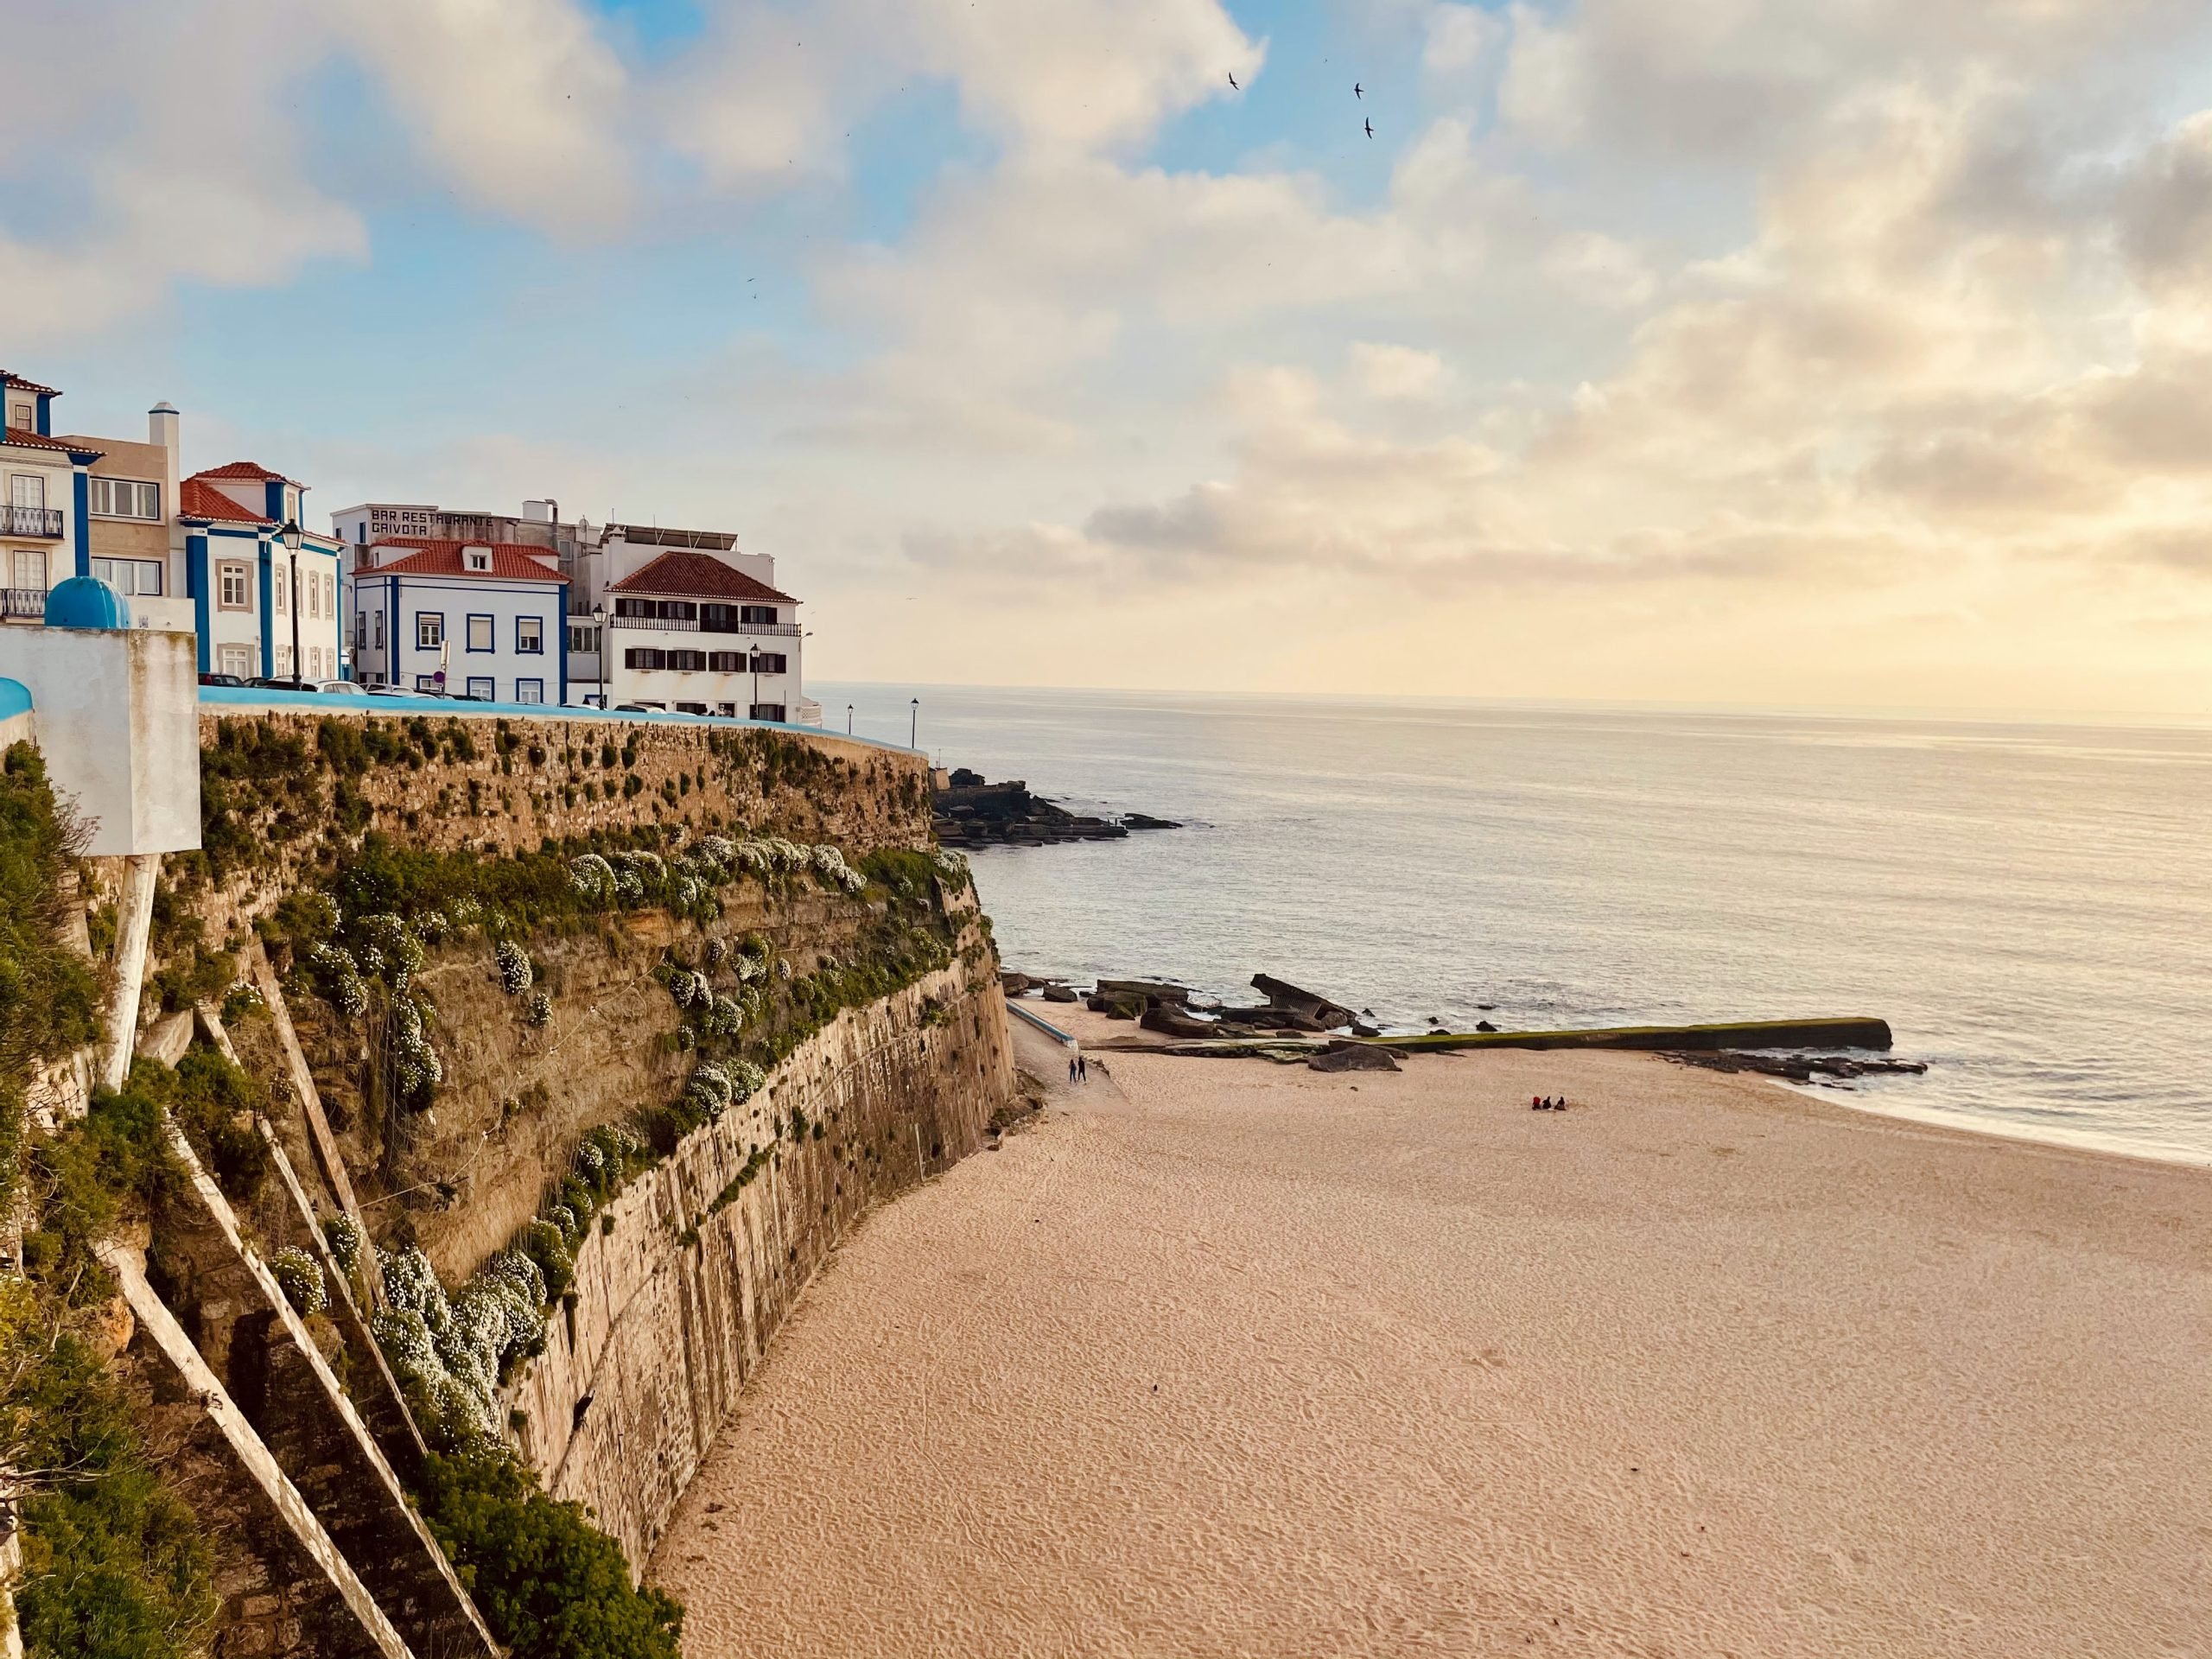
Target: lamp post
column 914, row 729
column 754, row 661
column 598, row 649
column 290, row 536
column 848, row 720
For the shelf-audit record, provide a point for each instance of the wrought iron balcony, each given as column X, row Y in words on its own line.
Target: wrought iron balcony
column 686, row 625
column 44, row 523
column 24, row 601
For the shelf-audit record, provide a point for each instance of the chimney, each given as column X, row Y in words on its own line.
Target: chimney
column 160, row 426
column 162, row 430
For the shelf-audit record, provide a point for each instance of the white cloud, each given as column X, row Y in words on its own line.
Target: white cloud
column 517, row 102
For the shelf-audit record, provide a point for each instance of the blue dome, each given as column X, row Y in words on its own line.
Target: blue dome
column 86, row 603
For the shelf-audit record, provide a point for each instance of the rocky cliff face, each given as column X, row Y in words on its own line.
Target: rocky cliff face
column 414, row 899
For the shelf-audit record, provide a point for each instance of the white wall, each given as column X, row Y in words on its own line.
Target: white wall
column 117, row 712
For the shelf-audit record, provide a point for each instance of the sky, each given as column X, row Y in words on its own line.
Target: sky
column 1852, row 352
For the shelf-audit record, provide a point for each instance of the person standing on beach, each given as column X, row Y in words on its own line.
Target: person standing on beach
column 1071, row 1058
column 1082, row 1069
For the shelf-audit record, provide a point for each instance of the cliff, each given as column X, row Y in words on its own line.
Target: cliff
column 603, row 1033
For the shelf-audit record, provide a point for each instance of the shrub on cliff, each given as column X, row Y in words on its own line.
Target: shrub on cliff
column 550, row 1584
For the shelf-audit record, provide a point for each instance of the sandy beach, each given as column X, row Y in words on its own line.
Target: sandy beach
column 1224, row 1358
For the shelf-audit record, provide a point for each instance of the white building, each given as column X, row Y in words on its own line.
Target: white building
column 688, row 632
column 263, row 610
column 481, row 619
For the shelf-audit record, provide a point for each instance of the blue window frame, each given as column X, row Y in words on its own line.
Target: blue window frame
column 429, row 630
column 482, row 632
column 480, row 689
column 530, row 691
column 530, row 635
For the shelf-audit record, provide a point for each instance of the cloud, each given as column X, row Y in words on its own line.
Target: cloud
column 515, row 101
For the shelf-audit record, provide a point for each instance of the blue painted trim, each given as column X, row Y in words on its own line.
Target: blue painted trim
column 82, row 526
column 15, row 695
column 196, row 584
column 481, row 616
column 272, row 499
column 45, row 417
column 391, row 623
column 562, row 650
column 354, row 702
column 268, row 612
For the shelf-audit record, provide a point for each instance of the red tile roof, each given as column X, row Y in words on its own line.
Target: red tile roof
column 15, row 379
column 238, row 469
column 509, row 562
column 23, row 438
column 693, row 575
column 196, row 499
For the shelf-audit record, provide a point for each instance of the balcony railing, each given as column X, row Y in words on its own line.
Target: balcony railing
column 24, row 601
column 684, row 624
column 42, row 522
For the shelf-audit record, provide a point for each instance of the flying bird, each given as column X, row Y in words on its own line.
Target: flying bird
column 1358, row 91
column 1232, row 81
column 1370, row 125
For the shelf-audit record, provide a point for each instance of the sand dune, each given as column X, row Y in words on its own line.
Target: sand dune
column 1226, row 1359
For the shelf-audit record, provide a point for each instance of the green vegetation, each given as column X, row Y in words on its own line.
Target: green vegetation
column 115, row 1564
column 550, row 1584
column 50, row 997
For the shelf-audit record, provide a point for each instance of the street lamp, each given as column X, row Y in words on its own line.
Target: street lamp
column 290, row 536
column 848, row 720
column 599, row 649
column 914, row 731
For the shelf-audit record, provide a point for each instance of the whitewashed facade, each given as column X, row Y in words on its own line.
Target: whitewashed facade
column 475, row 619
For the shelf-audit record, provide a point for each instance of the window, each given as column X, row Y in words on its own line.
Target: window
column 132, row 576
column 583, row 637
column 759, row 615
column 330, row 594
column 429, row 630
column 530, row 635
column 429, row 681
column 480, row 633
column 718, row 619
column 689, row 661
column 360, row 634
column 26, row 490
column 284, row 662
column 727, row 710
column 315, row 597
column 235, row 660
column 234, row 587
column 480, row 689
column 379, row 640
column 768, row 711
column 30, row 568
column 276, row 589
column 22, row 415
column 690, row 708
column 643, row 656
column 126, row 498
column 767, row 662
column 315, row 662
column 477, row 558
column 725, row 661
column 530, row 691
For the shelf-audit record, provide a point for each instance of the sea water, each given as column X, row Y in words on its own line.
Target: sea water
column 2029, row 905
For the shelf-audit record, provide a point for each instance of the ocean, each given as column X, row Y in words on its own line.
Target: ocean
column 2029, row 905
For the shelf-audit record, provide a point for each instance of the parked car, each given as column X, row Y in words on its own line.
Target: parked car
column 398, row 691
column 222, row 679
column 342, row 688
column 269, row 683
